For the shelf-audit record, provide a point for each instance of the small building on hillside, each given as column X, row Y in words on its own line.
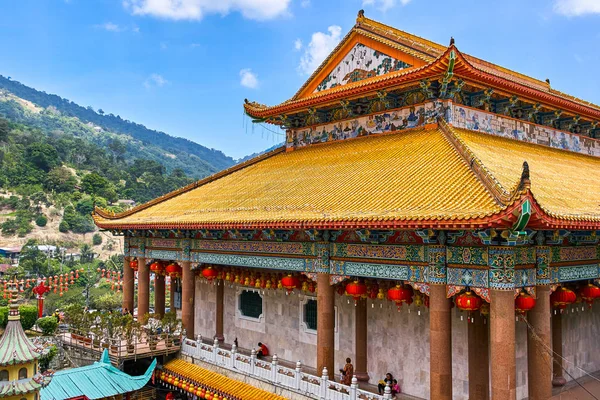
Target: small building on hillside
column 11, row 254
column 100, row 380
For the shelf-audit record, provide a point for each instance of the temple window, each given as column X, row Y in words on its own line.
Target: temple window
column 310, row 314
column 251, row 304
column 3, row 375
column 23, row 373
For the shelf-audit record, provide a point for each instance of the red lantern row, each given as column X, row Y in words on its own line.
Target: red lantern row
column 199, row 390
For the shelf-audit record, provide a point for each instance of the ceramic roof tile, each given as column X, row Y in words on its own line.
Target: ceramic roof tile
column 218, row 382
column 411, row 175
column 97, row 381
column 564, row 183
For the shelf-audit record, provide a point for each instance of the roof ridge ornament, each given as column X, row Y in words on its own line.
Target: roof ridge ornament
column 361, row 16
column 451, row 40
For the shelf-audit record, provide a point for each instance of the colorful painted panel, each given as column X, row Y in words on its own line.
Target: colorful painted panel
column 401, row 253
column 360, row 63
column 163, row 254
column 525, row 277
column 468, row 277
column 255, row 247
column 289, row 264
column 525, row 255
column 467, row 255
column 389, row 121
column 164, row 243
column 383, row 271
column 477, row 120
column 561, row 254
column 578, row 272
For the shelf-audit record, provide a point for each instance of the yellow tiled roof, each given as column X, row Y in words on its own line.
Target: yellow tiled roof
column 565, row 184
column 219, row 382
column 409, row 175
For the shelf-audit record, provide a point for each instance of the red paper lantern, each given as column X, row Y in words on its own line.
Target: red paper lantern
column 290, row 282
column 589, row 293
column 468, row 301
column 356, row 290
column 133, row 264
column 400, row 294
column 173, row 270
column 524, row 302
column 210, row 273
column 562, row 297
column 157, row 268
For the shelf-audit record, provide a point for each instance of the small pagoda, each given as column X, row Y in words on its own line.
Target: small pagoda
column 19, row 374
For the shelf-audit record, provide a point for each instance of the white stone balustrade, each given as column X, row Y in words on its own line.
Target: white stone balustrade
column 293, row 379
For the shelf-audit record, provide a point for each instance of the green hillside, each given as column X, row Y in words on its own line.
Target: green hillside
column 52, row 113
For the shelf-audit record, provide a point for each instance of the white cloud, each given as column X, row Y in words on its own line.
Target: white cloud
column 574, row 8
column 321, row 44
column 109, row 26
column 384, row 5
column 196, row 9
column 248, row 78
column 298, row 44
column 155, row 80
column 305, row 3
column 135, row 29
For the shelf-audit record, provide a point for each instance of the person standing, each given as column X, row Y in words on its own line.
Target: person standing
column 347, row 372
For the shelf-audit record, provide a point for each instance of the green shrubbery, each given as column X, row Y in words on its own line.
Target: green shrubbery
column 48, row 325
column 96, row 239
column 41, row 220
column 28, row 316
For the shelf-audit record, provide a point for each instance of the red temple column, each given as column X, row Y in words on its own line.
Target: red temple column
column 360, row 340
column 440, row 344
column 502, row 334
column 538, row 345
column 479, row 367
column 188, row 288
column 219, row 316
column 325, row 325
column 557, row 376
column 128, row 285
column 143, row 288
column 159, row 294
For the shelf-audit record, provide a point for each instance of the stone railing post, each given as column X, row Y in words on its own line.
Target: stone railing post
column 233, row 353
column 387, row 393
column 252, row 361
column 274, row 363
column 324, row 379
column 215, row 350
column 298, row 375
column 353, row 388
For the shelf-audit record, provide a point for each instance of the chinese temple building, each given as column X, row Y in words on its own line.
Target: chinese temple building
column 19, row 375
column 100, row 380
column 423, row 200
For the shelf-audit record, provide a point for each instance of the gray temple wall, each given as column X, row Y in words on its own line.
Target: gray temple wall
column 398, row 342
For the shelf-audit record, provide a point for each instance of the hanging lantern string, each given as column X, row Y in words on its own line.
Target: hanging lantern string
column 555, row 355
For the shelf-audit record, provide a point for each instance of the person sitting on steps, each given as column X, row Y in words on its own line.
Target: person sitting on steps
column 263, row 351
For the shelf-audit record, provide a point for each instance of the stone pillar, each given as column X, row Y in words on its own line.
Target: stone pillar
column 143, row 288
column 159, row 295
column 502, row 334
column 479, row 359
column 557, row 375
column 188, row 288
column 128, row 285
column 219, row 317
column 440, row 344
column 538, row 347
column 360, row 341
column 325, row 325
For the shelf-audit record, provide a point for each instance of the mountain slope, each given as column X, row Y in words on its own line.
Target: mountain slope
column 29, row 106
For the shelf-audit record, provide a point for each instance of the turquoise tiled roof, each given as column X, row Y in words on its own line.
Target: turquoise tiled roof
column 95, row 381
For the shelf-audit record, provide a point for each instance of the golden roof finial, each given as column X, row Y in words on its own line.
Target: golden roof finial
column 360, row 16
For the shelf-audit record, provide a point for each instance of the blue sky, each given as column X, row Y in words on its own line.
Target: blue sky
column 185, row 66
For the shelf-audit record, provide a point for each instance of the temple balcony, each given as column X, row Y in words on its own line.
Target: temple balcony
column 281, row 374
